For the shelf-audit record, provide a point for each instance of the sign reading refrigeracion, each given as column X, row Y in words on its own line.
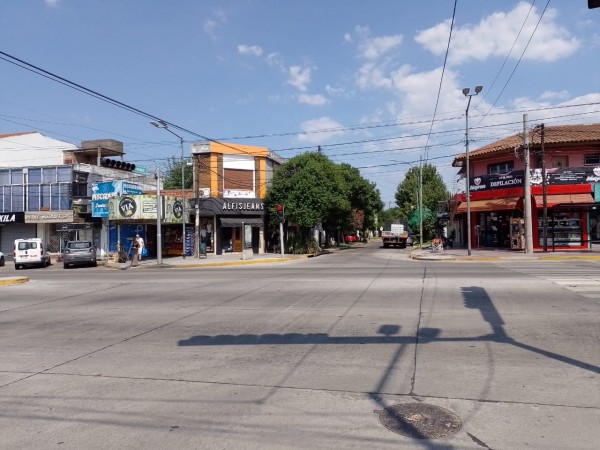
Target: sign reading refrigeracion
column 143, row 207
column 102, row 192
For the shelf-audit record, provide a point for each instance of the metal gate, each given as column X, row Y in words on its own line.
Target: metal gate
column 8, row 234
column 58, row 239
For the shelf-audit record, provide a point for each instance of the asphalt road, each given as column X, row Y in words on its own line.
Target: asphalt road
column 301, row 354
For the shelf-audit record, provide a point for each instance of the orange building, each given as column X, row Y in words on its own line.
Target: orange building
column 230, row 184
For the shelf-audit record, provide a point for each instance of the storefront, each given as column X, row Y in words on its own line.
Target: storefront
column 13, row 226
column 229, row 225
column 497, row 202
column 129, row 215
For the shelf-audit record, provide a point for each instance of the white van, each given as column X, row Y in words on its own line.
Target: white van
column 30, row 252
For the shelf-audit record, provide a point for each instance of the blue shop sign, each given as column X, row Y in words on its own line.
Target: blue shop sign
column 105, row 190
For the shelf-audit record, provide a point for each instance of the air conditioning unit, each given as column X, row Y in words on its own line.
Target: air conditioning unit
column 203, row 192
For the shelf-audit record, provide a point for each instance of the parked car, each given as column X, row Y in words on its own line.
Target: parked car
column 79, row 253
column 2, row 260
column 410, row 240
column 350, row 238
column 30, row 252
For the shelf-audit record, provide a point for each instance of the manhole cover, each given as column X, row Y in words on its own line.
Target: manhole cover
column 419, row 420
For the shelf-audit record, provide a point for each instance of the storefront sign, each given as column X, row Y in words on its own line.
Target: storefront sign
column 555, row 176
column 73, row 226
column 103, row 191
column 48, row 216
column 227, row 206
column 143, row 207
column 12, row 217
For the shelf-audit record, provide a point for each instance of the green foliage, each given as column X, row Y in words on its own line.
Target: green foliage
column 314, row 190
column 434, row 191
column 172, row 174
column 391, row 214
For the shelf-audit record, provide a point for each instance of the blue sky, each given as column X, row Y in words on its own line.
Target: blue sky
column 361, row 79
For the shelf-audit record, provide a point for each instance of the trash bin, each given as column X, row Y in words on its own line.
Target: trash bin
column 202, row 253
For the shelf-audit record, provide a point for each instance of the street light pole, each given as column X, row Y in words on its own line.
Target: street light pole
column 158, row 219
column 465, row 92
column 164, row 125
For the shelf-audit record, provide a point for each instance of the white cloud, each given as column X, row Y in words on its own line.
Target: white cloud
column 551, row 95
column 320, row 130
column 374, row 48
column 372, row 76
column 494, row 37
column 212, row 24
column 335, row 91
column 299, row 77
column 251, row 50
column 313, row 100
column 53, row 3
column 347, row 37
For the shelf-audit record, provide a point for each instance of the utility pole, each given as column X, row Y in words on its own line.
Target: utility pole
column 527, row 194
column 544, row 191
column 158, row 219
column 420, row 202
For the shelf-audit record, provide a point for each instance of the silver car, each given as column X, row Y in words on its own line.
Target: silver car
column 79, row 253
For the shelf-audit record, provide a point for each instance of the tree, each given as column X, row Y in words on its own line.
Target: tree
column 172, row 174
column 434, row 191
column 311, row 189
column 314, row 190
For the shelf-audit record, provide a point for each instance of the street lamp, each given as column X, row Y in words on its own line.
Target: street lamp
column 465, row 92
column 164, row 125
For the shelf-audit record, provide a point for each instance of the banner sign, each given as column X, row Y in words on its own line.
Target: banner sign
column 143, row 207
column 554, row 176
column 49, row 216
column 105, row 190
column 12, row 217
column 230, row 206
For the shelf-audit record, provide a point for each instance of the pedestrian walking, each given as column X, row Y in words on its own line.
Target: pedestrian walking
column 135, row 247
column 140, row 241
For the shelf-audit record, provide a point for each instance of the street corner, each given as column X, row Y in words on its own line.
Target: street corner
column 431, row 256
column 7, row 281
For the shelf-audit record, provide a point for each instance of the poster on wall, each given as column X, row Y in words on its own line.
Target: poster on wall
column 103, row 191
column 143, row 207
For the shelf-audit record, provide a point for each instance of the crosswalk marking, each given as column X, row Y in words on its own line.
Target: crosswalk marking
column 584, row 281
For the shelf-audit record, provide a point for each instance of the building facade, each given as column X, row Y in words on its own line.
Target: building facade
column 565, row 203
column 46, row 189
column 230, row 184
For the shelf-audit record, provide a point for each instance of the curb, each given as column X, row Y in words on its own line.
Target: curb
column 212, row 264
column 7, row 281
column 537, row 257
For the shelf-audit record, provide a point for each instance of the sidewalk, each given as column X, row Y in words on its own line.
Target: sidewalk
column 211, row 260
column 490, row 254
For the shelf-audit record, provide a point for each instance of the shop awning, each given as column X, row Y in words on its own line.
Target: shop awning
column 563, row 199
column 237, row 223
column 496, row 204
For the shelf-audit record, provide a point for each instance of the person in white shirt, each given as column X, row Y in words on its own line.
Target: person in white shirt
column 140, row 241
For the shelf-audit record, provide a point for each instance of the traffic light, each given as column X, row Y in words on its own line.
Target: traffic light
column 280, row 213
column 116, row 164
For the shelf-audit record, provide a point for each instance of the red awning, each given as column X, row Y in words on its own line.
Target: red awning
column 563, row 199
column 496, row 204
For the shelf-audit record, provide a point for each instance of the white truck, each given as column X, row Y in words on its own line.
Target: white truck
column 395, row 232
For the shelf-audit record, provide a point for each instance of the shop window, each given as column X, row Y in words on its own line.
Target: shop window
column 4, row 177
column 591, row 160
column 34, row 176
column 503, row 167
column 559, row 162
column 16, row 176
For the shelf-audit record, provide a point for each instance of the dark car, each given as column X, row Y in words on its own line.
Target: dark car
column 79, row 253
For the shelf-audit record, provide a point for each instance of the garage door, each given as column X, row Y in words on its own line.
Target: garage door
column 8, row 234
